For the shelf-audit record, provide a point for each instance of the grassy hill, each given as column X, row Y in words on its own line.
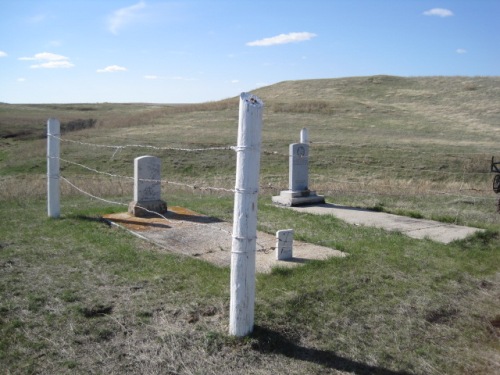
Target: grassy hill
column 419, row 146
column 77, row 296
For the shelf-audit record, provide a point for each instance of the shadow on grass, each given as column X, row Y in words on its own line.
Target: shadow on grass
column 273, row 342
column 178, row 214
column 96, row 219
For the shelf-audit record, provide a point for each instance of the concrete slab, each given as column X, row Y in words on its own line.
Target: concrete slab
column 187, row 232
column 299, row 198
column 415, row 228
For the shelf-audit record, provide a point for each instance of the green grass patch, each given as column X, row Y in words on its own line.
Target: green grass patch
column 393, row 304
column 80, row 296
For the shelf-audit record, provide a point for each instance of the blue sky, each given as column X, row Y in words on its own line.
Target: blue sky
column 159, row 51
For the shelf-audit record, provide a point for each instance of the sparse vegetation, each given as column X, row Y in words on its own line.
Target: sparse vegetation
column 78, row 296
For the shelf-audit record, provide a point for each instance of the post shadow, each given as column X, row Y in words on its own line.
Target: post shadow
column 269, row 341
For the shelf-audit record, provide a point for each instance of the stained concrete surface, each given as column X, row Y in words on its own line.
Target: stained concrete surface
column 189, row 233
column 415, row 228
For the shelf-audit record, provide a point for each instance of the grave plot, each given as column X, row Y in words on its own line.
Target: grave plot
column 186, row 232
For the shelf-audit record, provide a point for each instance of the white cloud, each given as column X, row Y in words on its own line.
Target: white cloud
column 21, row 79
column 461, row 51
column 112, row 69
column 53, row 65
column 235, row 81
column 49, row 61
column 439, row 12
column 124, row 16
column 45, row 56
column 3, row 54
column 152, row 77
column 282, row 39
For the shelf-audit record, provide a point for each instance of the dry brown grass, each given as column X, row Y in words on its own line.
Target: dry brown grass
column 81, row 297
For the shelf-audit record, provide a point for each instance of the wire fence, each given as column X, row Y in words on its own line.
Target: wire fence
column 467, row 183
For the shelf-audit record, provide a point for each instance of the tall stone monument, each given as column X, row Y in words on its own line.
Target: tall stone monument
column 147, row 187
column 298, row 192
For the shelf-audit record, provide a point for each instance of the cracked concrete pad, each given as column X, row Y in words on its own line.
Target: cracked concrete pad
column 415, row 228
column 186, row 232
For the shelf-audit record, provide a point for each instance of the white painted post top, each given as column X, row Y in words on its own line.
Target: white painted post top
column 304, row 135
column 251, row 99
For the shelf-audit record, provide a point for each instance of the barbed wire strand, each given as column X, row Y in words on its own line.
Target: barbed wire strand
column 138, row 206
column 410, row 150
column 324, row 161
column 143, row 146
column 311, row 142
column 210, row 188
column 168, row 182
column 375, row 166
column 194, row 187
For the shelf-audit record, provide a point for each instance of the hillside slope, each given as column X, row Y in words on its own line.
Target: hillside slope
column 470, row 100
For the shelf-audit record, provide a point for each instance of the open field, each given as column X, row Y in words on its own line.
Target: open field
column 80, row 297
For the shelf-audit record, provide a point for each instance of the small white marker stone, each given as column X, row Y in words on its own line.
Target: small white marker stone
column 284, row 244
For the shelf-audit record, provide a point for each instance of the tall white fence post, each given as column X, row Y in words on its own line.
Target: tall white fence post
column 53, row 193
column 241, row 312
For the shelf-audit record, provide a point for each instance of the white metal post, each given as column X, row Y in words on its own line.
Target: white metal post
column 53, row 193
column 241, row 314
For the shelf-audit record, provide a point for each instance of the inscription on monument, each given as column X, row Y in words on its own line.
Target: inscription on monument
column 299, row 167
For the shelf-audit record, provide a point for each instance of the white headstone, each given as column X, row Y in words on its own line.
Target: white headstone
column 147, row 176
column 298, row 167
column 284, row 244
column 147, row 187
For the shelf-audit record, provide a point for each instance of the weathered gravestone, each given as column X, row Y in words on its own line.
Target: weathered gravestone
column 298, row 192
column 284, row 244
column 147, row 187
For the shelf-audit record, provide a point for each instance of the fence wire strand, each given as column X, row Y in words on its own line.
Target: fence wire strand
column 342, row 159
column 121, row 147
column 143, row 208
column 167, row 182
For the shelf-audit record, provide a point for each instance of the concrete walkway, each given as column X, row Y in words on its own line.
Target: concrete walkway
column 415, row 228
column 186, row 232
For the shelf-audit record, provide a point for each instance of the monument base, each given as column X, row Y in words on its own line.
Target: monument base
column 297, row 198
column 147, row 208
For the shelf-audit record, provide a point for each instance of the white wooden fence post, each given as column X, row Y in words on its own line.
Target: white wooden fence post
column 241, row 312
column 53, row 193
